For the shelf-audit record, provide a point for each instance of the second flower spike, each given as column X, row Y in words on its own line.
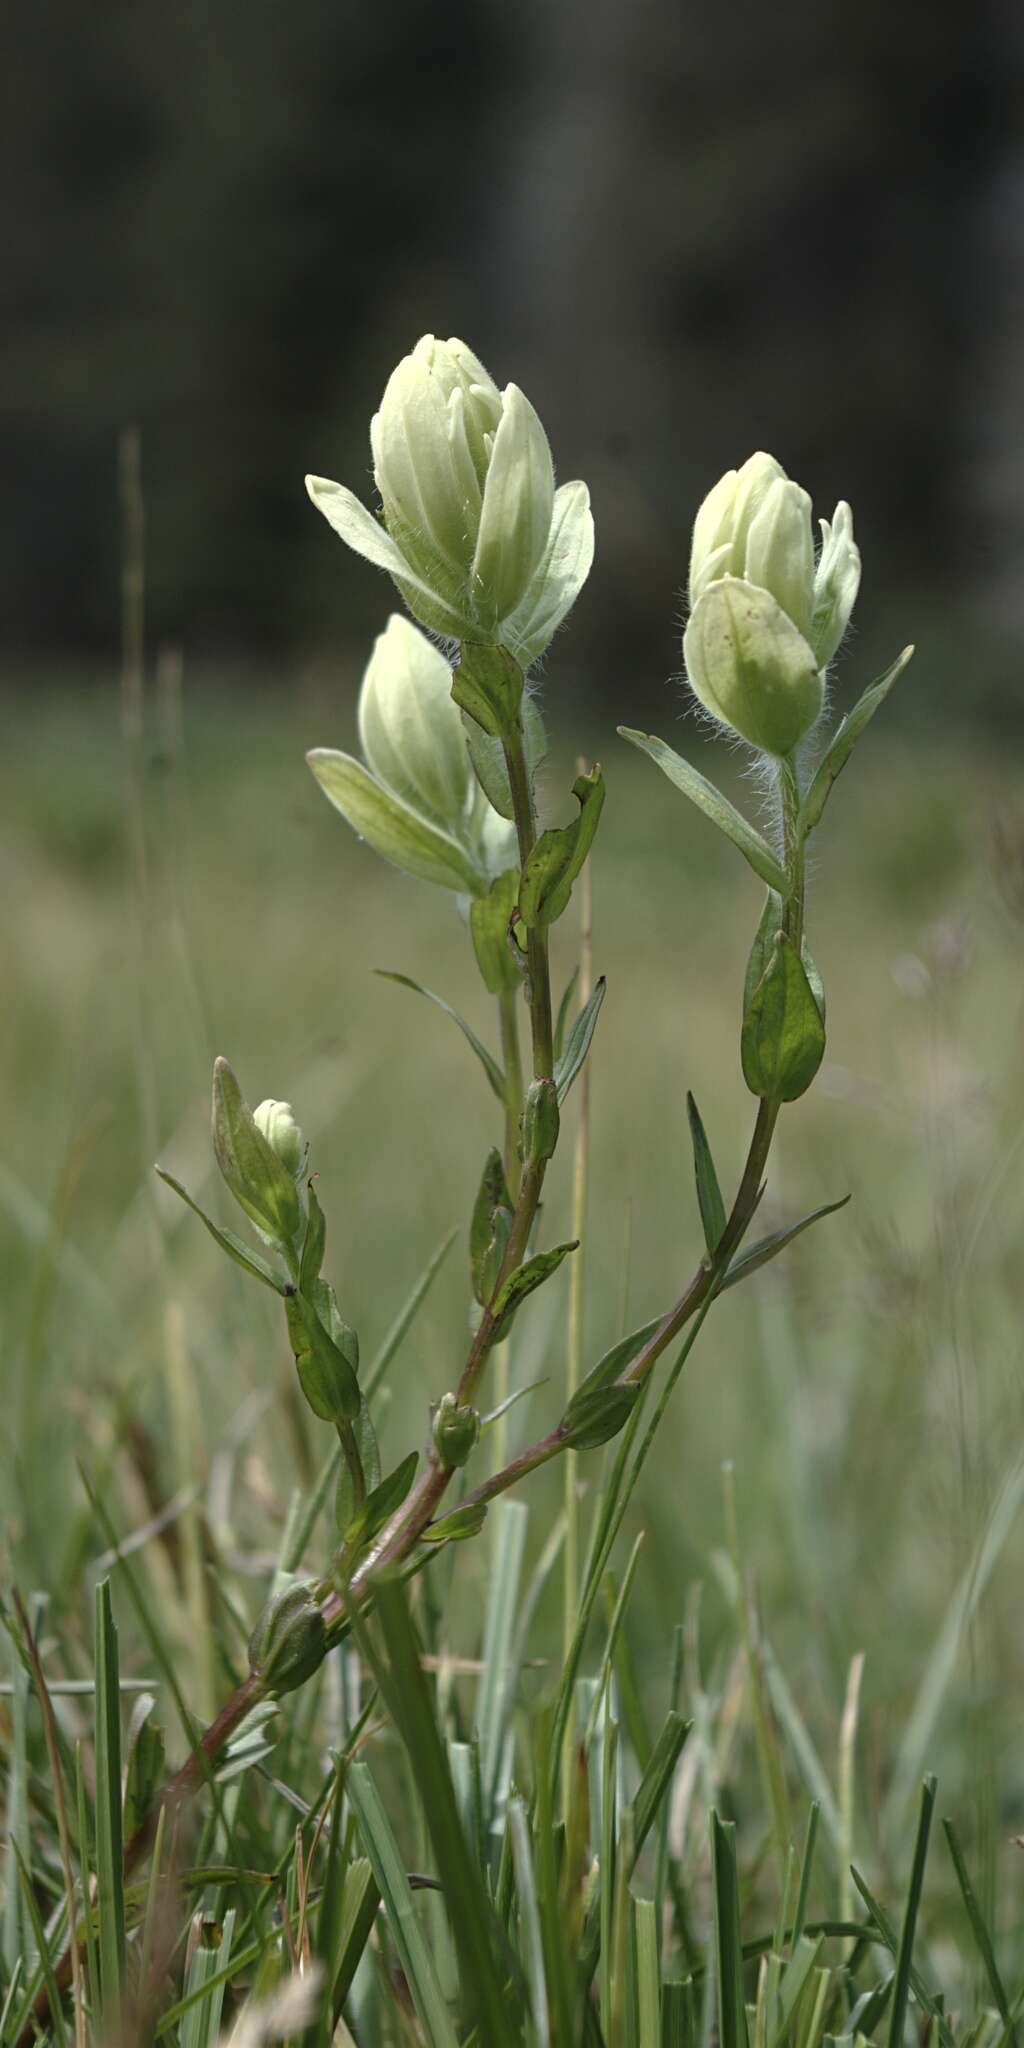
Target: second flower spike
column 414, row 797
column 765, row 619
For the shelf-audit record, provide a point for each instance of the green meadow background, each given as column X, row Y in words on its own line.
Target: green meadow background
column 189, row 892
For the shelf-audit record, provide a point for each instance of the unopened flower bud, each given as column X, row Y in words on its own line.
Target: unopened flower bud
column 289, row 1641
column 456, row 1431
column 282, row 1133
column 765, row 621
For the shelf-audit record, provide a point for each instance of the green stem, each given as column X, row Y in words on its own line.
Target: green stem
column 400, row 1535
column 512, row 1062
column 537, row 970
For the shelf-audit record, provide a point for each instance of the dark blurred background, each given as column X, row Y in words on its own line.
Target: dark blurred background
column 685, row 235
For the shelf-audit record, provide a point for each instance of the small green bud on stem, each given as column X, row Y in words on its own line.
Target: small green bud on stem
column 456, row 1431
column 289, row 1641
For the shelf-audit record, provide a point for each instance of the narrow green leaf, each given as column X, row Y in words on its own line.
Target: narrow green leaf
column 843, row 742
column 109, row 1861
column 732, row 2014
column 393, row 1885
column 406, row 1316
column 769, row 1247
column 614, row 1362
column 577, row 1045
column 709, row 1194
column 497, row 957
column 382, row 1501
column 982, row 1937
column 369, row 1458
column 487, row 1061
column 326, row 1375
column 714, row 805
column 562, row 1019
column 313, row 1243
column 558, row 857
column 526, row 1279
column 460, row 1524
column 594, row 1419
column 492, row 1194
column 251, row 1262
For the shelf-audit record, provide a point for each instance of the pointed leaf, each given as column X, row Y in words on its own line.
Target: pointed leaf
column 381, row 1502
column 768, row 1248
column 843, row 742
column 556, row 860
column 709, row 1194
column 398, row 833
column 714, row 806
column 313, row 1243
column 487, row 1061
column 492, row 1194
column 578, row 1043
column 243, row 1255
column 356, row 526
column 258, row 1179
column 558, row 579
column 527, row 1278
column 593, row 1418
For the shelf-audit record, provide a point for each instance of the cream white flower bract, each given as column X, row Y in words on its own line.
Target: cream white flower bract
column 478, row 540
column 277, row 1122
column 765, row 618
column 414, row 797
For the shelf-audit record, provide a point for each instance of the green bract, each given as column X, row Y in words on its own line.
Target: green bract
column 766, row 621
column 475, row 535
column 416, row 799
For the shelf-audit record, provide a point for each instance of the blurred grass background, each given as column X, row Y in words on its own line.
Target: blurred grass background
column 867, row 1388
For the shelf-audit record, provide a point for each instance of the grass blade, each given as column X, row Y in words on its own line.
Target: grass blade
column 405, row 1689
column 905, row 1954
column 529, row 1922
column 982, row 1937
column 648, row 1984
column 109, row 1859
column 732, row 2012
column 393, row 1885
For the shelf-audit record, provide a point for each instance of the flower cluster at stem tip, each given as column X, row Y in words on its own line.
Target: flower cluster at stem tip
column 766, row 618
